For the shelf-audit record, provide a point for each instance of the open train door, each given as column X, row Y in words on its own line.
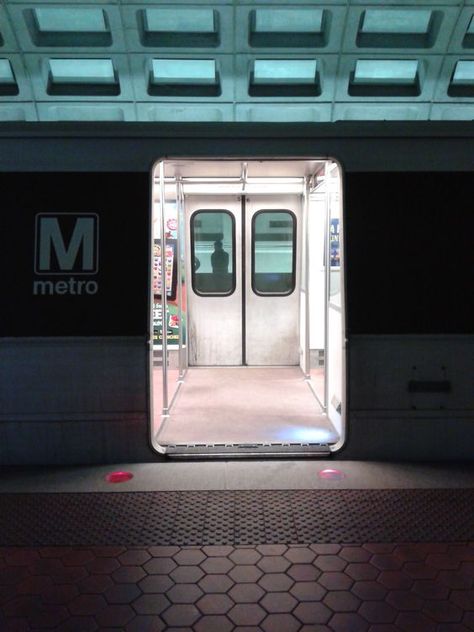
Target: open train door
column 248, row 354
column 335, row 343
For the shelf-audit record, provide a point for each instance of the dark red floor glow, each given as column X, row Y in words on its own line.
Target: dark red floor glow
column 118, row 477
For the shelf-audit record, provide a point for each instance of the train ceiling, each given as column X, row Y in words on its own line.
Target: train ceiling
column 236, row 60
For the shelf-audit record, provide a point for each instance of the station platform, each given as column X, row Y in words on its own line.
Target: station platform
column 239, row 545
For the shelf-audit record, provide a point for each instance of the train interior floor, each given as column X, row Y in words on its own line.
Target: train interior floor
column 269, row 545
column 242, row 405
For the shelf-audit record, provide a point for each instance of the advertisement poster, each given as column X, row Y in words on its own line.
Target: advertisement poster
column 172, row 285
column 172, row 320
column 334, row 243
column 171, row 264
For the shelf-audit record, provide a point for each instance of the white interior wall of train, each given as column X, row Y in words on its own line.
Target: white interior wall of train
column 76, row 259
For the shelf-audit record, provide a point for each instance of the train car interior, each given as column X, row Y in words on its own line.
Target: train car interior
column 253, row 358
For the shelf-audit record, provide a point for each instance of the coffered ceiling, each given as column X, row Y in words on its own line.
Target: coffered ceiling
column 236, row 60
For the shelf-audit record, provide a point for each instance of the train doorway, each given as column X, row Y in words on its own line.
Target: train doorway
column 248, row 338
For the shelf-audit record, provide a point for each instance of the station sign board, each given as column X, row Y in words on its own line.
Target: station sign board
column 74, row 256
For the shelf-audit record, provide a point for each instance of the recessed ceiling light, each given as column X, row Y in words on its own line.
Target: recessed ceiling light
column 8, row 84
column 73, row 19
column 6, row 72
column 284, row 71
column 393, row 71
column 463, row 72
column 189, row 20
column 184, row 70
column 295, row 27
column 396, row 21
column 82, row 70
column 184, row 77
column 297, row 20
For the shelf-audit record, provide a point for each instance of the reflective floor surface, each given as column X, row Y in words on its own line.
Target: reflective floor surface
column 241, row 405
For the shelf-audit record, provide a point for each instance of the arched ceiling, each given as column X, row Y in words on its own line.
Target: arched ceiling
column 236, row 60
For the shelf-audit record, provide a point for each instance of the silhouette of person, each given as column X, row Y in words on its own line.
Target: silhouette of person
column 219, row 258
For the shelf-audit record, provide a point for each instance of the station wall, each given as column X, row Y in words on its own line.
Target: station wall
column 73, row 367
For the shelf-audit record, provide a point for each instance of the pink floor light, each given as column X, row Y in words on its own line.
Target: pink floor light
column 118, row 477
column 331, row 474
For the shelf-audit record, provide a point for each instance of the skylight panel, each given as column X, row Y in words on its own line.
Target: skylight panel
column 82, row 77
column 398, row 28
column 294, row 28
column 179, row 27
column 462, row 80
column 8, row 84
column 184, row 77
column 385, row 77
column 71, row 26
column 284, row 77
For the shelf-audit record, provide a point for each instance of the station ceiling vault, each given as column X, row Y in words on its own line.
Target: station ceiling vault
column 236, row 60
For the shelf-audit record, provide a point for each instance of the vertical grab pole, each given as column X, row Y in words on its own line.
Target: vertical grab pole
column 180, row 200
column 307, row 367
column 164, row 324
column 327, row 258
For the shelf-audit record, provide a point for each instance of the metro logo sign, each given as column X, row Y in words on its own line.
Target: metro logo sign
column 66, row 243
column 66, row 248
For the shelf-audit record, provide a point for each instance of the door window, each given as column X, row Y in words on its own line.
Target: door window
column 273, row 252
column 213, row 252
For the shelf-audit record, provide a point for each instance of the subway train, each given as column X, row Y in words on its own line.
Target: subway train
column 236, row 291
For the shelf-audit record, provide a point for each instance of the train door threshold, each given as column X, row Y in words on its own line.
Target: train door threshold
column 249, row 450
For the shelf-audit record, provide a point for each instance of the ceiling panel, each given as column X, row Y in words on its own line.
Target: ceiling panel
column 236, row 60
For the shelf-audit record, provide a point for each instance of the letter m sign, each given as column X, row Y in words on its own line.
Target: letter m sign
column 66, row 243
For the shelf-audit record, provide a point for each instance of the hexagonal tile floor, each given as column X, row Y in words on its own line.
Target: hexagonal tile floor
column 378, row 587
column 270, row 584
